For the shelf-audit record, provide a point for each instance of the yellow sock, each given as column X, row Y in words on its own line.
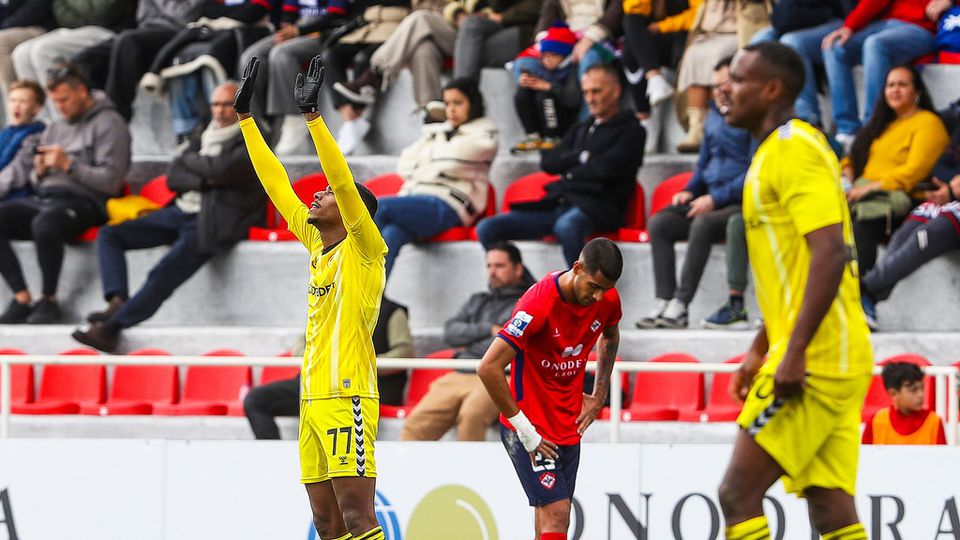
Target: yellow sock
column 751, row 529
column 372, row 534
column 850, row 532
column 347, row 536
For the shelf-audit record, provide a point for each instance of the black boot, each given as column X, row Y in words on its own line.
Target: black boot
column 45, row 311
column 113, row 305
column 102, row 336
column 16, row 313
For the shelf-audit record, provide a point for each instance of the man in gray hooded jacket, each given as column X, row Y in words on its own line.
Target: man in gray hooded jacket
column 459, row 398
column 79, row 164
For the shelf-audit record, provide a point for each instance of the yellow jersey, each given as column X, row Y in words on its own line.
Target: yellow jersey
column 791, row 189
column 346, row 278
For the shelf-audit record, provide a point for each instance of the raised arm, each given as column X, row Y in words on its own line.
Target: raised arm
column 270, row 171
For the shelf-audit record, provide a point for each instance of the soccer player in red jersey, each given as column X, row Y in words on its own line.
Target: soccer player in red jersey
column 544, row 411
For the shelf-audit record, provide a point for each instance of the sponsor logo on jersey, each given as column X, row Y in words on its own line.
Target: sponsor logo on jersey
column 320, row 291
column 519, row 323
column 572, row 351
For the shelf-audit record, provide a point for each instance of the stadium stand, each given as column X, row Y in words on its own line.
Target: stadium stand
column 661, row 396
column 420, row 380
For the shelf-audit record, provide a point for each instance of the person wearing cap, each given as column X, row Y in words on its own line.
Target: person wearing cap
column 548, row 93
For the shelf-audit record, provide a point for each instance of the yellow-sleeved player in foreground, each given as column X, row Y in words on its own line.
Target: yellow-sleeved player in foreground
column 801, row 419
column 340, row 404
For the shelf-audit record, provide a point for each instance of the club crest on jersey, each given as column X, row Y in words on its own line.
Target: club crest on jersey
column 519, row 323
column 346, row 383
column 548, row 480
column 595, row 325
column 572, row 351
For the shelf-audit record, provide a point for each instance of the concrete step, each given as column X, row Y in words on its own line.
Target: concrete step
column 263, row 283
column 941, row 348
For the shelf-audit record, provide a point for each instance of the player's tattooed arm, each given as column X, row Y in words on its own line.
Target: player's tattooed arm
column 743, row 376
column 490, row 371
column 606, row 355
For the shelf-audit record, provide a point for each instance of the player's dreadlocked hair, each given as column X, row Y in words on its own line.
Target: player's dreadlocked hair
column 600, row 254
column 368, row 198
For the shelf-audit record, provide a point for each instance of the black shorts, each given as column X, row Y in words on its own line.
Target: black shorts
column 545, row 481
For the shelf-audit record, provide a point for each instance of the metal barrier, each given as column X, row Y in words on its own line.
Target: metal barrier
column 945, row 377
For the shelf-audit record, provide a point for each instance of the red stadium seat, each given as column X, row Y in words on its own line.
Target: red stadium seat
column 661, row 396
column 877, row 396
column 278, row 373
column 386, row 185
column 636, row 222
column 212, row 390
column 157, row 191
column 149, row 352
column 21, row 379
column 90, row 235
column 420, row 380
column 137, row 389
column 529, row 188
column 460, row 234
column 720, row 407
column 276, row 231
column 64, row 387
column 662, row 196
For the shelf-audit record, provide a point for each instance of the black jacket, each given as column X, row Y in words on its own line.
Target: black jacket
column 790, row 15
column 603, row 185
column 233, row 200
column 470, row 328
column 20, row 13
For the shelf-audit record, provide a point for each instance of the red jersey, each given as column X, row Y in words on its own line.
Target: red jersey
column 552, row 339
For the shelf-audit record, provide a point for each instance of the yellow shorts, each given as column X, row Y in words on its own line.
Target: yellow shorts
column 815, row 437
column 337, row 438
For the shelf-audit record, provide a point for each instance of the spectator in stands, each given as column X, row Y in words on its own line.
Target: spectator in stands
column 391, row 339
column 218, row 199
column 446, row 173
column 597, row 162
column 548, row 93
column 712, row 35
column 354, row 50
column 699, row 214
column 905, row 421
column 198, row 58
column 80, row 163
column 283, row 55
column 895, row 151
column 116, row 64
column 802, row 25
column 20, row 20
column 421, row 42
column 22, row 134
column 80, row 24
column 459, row 398
column 878, row 34
column 494, row 36
column 928, row 232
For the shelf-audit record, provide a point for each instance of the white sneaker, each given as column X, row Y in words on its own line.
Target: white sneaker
column 845, row 140
column 351, row 134
column 674, row 316
column 294, row 136
column 650, row 320
column 658, row 90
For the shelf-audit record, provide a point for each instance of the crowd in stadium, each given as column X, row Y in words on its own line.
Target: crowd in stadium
column 587, row 73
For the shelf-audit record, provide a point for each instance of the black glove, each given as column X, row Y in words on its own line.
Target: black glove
column 241, row 102
column 307, row 91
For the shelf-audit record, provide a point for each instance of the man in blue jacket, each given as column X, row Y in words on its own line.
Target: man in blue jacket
column 699, row 214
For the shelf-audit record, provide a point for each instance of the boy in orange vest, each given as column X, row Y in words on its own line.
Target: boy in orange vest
column 905, row 421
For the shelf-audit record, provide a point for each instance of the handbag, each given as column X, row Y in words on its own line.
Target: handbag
column 881, row 204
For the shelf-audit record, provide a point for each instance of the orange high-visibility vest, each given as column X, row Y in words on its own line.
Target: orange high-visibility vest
column 883, row 432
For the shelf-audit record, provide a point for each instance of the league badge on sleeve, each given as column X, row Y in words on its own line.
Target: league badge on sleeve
column 519, row 323
column 595, row 326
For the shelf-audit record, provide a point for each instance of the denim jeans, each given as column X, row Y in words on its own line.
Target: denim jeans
column 165, row 226
column 878, row 46
column 569, row 224
column 405, row 219
column 186, row 99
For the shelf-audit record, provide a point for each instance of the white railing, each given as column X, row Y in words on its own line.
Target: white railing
column 945, row 377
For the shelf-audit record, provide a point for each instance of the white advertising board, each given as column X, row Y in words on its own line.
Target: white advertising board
column 185, row 490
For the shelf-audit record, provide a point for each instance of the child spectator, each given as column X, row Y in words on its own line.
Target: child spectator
column 905, row 421
column 24, row 101
column 548, row 96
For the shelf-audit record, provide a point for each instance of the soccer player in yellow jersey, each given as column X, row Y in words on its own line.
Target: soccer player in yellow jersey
column 339, row 406
column 801, row 418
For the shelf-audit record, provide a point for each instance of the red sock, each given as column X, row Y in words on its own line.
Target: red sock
column 553, row 536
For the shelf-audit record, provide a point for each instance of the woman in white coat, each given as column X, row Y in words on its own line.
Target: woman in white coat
column 446, row 173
